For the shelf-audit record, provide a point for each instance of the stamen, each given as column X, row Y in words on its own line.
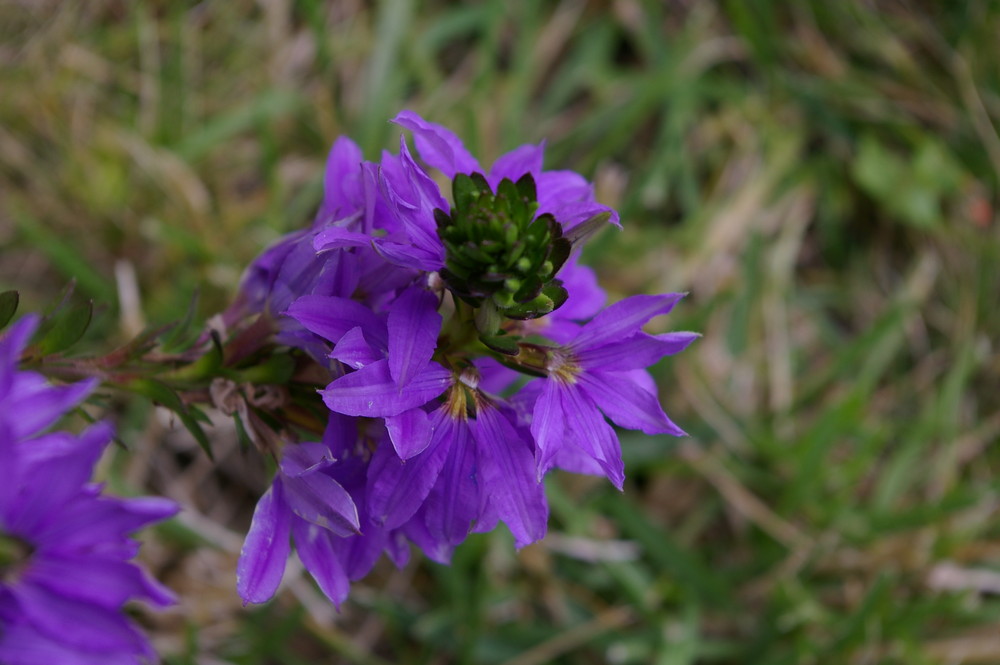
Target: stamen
column 562, row 366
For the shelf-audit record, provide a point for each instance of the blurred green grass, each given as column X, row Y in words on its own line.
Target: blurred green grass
column 821, row 176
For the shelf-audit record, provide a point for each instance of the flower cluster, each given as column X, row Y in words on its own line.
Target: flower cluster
column 467, row 350
column 64, row 545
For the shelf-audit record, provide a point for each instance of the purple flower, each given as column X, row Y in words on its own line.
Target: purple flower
column 485, row 459
column 438, row 311
column 318, row 501
column 292, row 268
column 65, row 573
column 306, row 500
column 474, row 463
column 596, row 372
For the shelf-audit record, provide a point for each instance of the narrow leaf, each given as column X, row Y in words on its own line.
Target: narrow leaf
column 66, row 328
column 164, row 395
column 8, row 306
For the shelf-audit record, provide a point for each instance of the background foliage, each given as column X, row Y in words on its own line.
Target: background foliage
column 821, row 176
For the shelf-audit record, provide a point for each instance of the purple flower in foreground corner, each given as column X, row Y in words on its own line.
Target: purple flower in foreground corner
column 64, row 546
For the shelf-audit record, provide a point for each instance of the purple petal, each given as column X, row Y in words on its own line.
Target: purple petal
column 433, row 546
column 438, row 146
column 10, row 474
column 636, row 352
column 548, row 426
column 454, row 503
column 331, row 317
column 557, row 187
column 413, row 326
column 411, row 197
column 593, row 434
column 354, row 350
column 570, row 457
column 516, row 163
column 410, row 432
column 627, row 403
column 317, row 550
column 104, row 582
column 340, row 435
column 299, row 459
column 623, row 319
column 39, row 404
column 494, row 377
column 397, row 488
column 321, row 500
column 507, row 466
column 266, row 548
column 337, row 237
column 397, row 549
column 342, row 187
column 20, row 644
column 488, row 518
column 571, row 214
column 92, row 522
column 12, row 343
column 555, row 328
column 408, row 255
column 67, row 463
column 586, row 297
column 362, row 552
column 77, row 623
column 371, row 391
column 75, row 455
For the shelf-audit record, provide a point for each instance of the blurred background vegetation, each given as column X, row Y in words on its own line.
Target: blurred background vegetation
column 820, row 176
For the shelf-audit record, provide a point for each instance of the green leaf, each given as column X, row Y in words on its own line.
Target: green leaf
column 180, row 336
column 276, row 369
column 66, row 327
column 167, row 397
column 209, row 365
column 8, row 306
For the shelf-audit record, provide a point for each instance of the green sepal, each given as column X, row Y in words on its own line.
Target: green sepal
column 466, row 189
column 557, row 292
column 582, row 232
column 505, row 344
column 526, row 187
column 535, row 308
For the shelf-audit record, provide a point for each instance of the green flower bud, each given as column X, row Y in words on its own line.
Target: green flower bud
column 497, row 249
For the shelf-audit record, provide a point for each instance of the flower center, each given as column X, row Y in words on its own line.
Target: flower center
column 14, row 556
column 562, row 366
